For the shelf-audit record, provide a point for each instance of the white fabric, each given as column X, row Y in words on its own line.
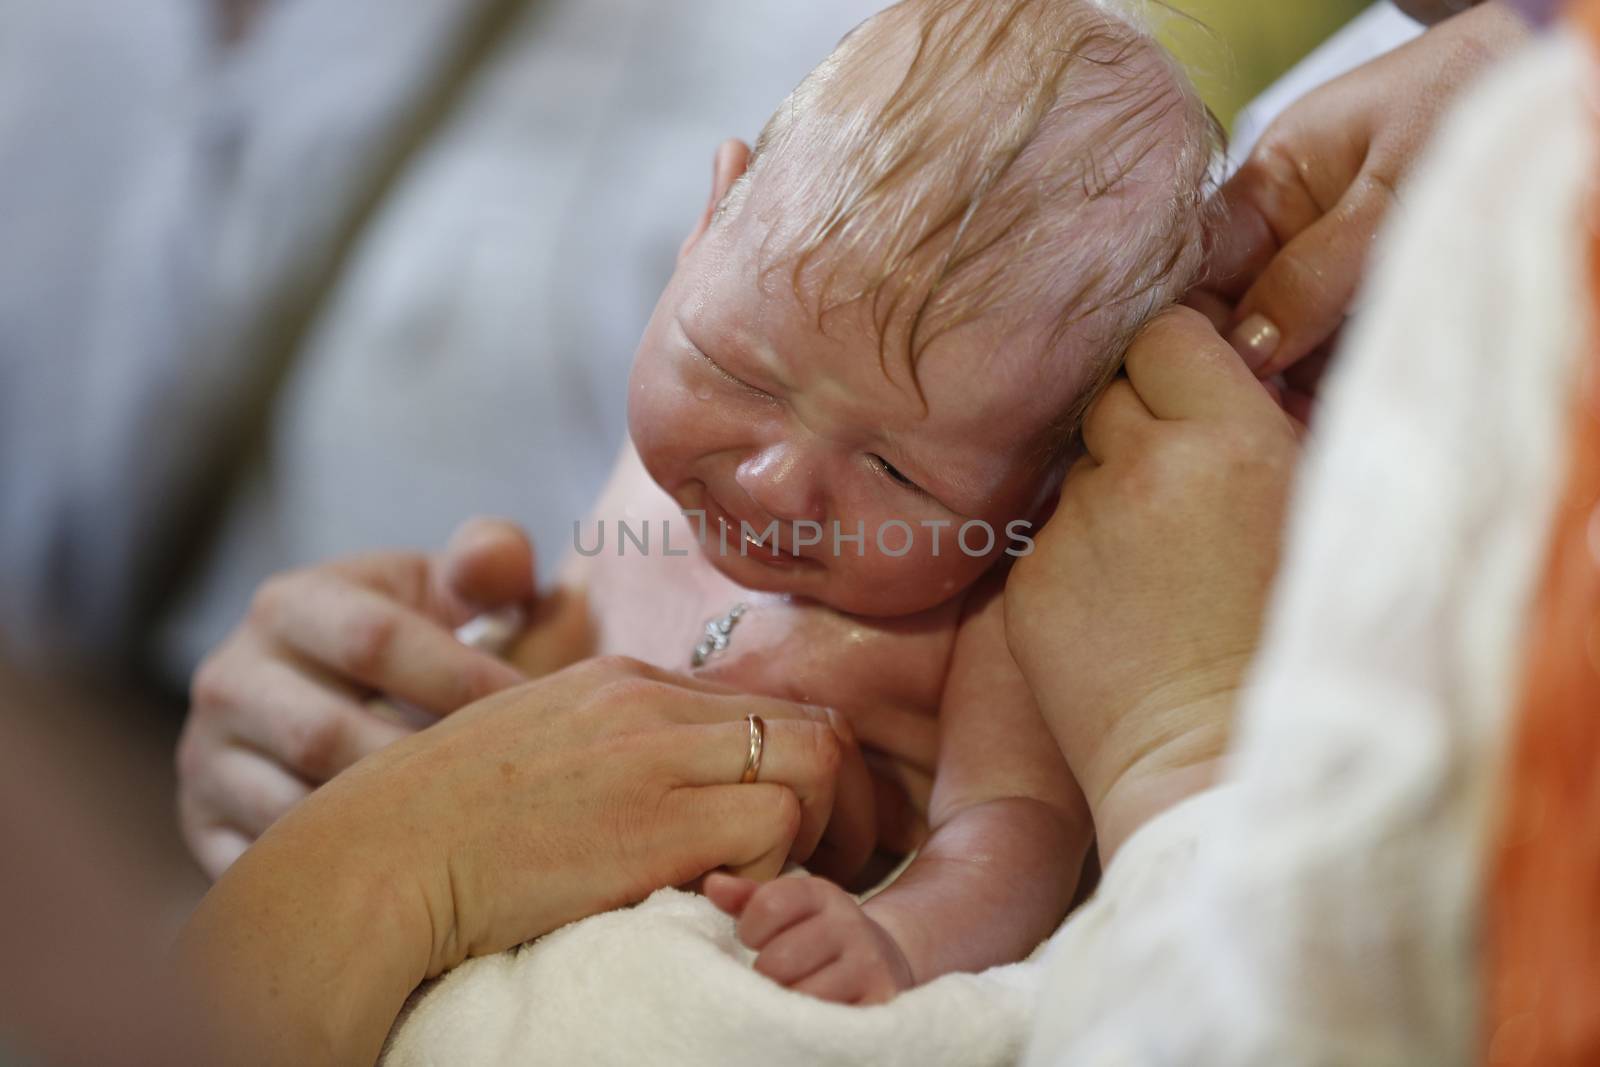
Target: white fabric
column 99, row 221
column 473, row 358
column 1322, row 907
column 667, row 984
column 164, row 199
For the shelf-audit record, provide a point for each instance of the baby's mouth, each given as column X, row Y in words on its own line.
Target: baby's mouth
column 743, row 538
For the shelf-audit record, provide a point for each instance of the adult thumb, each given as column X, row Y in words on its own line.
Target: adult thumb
column 1301, row 298
column 487, row 564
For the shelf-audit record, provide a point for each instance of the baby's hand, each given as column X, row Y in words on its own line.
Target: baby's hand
column 814, row 938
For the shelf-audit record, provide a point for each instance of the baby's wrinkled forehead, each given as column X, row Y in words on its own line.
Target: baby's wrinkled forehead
column 1040, row 163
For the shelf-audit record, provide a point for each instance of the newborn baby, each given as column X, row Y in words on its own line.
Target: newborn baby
column 859, row 388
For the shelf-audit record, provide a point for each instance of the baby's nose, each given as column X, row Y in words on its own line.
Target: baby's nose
column 781, row 483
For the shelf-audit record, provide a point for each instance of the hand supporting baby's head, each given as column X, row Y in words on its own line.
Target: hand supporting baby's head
column 893, row 314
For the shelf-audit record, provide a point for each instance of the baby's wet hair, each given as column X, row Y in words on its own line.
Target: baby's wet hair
column 941, row 162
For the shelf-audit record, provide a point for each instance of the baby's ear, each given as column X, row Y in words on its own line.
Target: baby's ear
column 727, row 166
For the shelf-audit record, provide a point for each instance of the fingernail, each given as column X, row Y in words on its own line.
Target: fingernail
column 1256, row 339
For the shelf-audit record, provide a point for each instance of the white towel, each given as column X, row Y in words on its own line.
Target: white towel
column 667, row 983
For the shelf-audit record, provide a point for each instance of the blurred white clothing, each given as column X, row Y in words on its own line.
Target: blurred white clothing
column 469, row 334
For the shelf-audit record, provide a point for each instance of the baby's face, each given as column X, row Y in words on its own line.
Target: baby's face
column 743, row 408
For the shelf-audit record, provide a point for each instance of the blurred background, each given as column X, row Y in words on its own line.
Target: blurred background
column 286, row 279
column 1235, row 49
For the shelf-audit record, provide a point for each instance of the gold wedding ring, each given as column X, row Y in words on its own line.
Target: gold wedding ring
column 758, row 741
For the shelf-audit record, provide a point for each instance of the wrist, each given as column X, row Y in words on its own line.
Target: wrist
column 1180, row 754
column 1138, row 799
column 388, row 854
column 901, row 969
column 305, row 951
column 358, row 866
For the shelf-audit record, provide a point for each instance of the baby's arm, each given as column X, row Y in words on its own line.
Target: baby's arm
column 1010, row 828
column 1010, row 831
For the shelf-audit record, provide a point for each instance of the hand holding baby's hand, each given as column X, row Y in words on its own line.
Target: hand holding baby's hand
column 813, row 937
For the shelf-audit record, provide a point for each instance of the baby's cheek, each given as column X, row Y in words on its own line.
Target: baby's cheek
column 938, row 571
column 663, row 420
column 648, row 386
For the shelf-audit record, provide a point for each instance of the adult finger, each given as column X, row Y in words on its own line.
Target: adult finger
column 1305, row 292
column 1182, row 369
column 405, row 576
column 1259, row 210
column 812, row 750
column 1216, row 308
column 246, row 790
column 644, row 695
column 1306, row 376
column 621, row 670
column 913, row 735
column 311, row 726
column 748, row 830
column 688, row 700
column 1113, row 420
column 216, row 848
column 376, row 641
column 488, row 563
column 851, row 836
column 804, row 756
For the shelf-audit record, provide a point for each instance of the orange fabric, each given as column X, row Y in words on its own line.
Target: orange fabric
column 1586, row 13
column 1542, row 910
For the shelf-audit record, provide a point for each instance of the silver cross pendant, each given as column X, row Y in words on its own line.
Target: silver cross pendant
column 718, row 632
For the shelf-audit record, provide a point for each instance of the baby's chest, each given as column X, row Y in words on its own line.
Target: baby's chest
column 679, row 613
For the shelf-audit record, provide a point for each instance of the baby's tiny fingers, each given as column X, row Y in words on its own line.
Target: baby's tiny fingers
column 779, row 905
column 838, row 982
column 800, row 951
column 870, row 975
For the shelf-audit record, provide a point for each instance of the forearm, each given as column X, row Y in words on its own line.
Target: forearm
column 306, row 949
column 992, row 882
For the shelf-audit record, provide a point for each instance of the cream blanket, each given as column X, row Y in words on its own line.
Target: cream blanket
column 666, row 983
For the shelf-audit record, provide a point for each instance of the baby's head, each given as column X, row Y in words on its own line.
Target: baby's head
column 891, row 319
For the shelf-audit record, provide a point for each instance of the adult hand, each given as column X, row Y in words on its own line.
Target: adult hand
column 1137, row 613
column 583, row 791
column 1301, row 214
column 602, row 783
column 281, row 706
